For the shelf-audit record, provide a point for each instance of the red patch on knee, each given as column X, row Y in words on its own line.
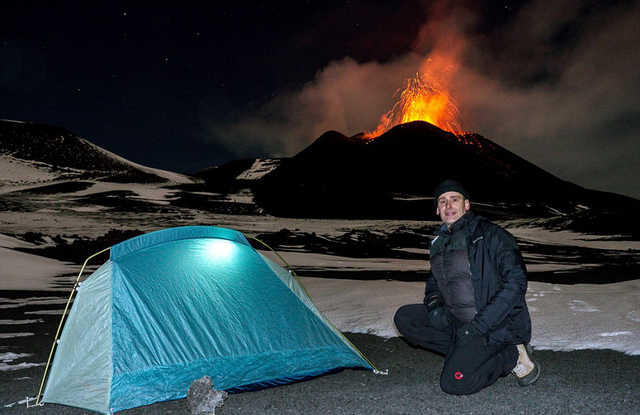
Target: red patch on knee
column 458, row 375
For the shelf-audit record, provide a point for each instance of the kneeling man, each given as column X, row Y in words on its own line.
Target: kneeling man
column 474, row 309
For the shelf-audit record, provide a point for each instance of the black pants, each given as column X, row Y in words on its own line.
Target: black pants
column 467, row 369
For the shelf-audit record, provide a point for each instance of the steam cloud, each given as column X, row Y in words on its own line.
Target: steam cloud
column 557, row 84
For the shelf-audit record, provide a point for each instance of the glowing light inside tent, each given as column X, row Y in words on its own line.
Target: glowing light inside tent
column 219, row 249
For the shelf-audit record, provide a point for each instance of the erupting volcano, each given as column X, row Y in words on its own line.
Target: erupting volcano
column 422, row 99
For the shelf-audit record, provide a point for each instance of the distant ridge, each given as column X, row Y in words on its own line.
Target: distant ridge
column 390, row 177
column 70, row 156
column 393, row 176
column 414, row 158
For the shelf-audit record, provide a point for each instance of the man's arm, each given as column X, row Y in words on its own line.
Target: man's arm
column 507, row 263
column 431, row 290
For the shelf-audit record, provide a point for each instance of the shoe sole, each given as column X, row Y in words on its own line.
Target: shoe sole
column 528, row 382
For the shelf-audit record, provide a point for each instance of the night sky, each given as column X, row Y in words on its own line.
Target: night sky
column 187, row 85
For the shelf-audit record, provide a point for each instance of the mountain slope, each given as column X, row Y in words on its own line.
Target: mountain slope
column 61, row 155
column 394, row 176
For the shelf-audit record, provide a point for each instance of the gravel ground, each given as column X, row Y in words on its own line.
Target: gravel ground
column 578, row 382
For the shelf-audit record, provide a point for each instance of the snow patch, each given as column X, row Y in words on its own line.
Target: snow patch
column 582, row 306
column 16, row 174
column 22, row 271
column 16, row 322
column 4, row 367
column 616, row 333
column 10, row 357
column 259, row 169
column 14, row 335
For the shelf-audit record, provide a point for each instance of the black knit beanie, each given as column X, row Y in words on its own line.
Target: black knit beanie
column 449, row 186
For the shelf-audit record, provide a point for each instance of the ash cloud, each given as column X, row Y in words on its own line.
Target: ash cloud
column 556, row 82
column 562, row 91
column 345, row 96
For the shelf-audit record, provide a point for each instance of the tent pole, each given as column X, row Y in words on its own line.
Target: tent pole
column 64, row 313
column 274, row 251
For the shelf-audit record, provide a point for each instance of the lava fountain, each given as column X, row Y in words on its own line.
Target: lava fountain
column 421, row 99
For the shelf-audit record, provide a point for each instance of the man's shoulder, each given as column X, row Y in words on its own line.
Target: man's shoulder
column 480, row 222
column 492, row 233
column 485, row 226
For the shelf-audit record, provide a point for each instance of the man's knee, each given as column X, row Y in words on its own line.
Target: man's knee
column 456, row 384
column 401, row 314
column 404, row 317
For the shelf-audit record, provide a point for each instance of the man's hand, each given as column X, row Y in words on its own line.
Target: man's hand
column 438, row 316
column 466, row 334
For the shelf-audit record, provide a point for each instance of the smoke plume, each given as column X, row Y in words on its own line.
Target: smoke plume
column 555, row 81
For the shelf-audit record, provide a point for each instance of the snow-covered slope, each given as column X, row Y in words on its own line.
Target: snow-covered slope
column 34, row 154
column 259, row 169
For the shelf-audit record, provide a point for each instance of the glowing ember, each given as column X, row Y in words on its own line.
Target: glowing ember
column 421, row 100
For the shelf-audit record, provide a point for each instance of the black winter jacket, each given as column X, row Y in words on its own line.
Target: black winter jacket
column 499, row 278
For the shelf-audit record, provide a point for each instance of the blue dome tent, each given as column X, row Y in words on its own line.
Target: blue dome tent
column 172, row 306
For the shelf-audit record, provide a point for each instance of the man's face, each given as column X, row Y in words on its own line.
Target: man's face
column 451, row 207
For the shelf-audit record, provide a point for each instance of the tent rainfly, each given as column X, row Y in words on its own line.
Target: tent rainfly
column 172, row 306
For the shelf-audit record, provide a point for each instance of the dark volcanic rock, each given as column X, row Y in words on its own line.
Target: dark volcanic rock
column 393, row 176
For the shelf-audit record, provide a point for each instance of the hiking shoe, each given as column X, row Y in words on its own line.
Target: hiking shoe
column 527, row 370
